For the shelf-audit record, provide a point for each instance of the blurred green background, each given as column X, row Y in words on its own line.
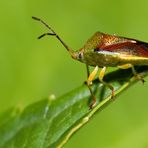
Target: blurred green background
column 32, row 69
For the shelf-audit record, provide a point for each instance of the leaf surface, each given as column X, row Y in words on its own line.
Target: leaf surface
column 51, row 122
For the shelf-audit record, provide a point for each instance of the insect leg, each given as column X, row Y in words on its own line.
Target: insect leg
column 87, row 69
column 92, row 76
column 101, row 75
column 93, row 101
column 89, row 82
column 139, row 77
column 126, row 66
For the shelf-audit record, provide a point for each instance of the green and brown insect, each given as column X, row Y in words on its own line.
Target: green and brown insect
column 104, row 50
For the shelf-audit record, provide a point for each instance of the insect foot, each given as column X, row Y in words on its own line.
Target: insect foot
column 93, row 103
column 113, row 93
column 139, row 77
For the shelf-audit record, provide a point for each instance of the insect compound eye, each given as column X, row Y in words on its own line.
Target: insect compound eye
column 96, row 50
column 80, row 55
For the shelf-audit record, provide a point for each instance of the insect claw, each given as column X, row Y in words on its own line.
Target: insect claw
column 143, row 81
column 139, row 77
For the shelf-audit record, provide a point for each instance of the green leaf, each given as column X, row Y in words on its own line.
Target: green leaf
column 52, row 121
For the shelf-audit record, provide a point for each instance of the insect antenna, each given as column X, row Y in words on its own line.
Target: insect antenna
column 53, row 33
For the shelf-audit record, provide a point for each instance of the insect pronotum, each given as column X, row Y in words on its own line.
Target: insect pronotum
column 104, row 50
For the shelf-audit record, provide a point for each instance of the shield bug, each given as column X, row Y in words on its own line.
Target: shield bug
column 104, row 50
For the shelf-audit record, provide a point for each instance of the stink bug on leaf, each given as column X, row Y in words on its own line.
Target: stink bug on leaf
column 104, row 50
